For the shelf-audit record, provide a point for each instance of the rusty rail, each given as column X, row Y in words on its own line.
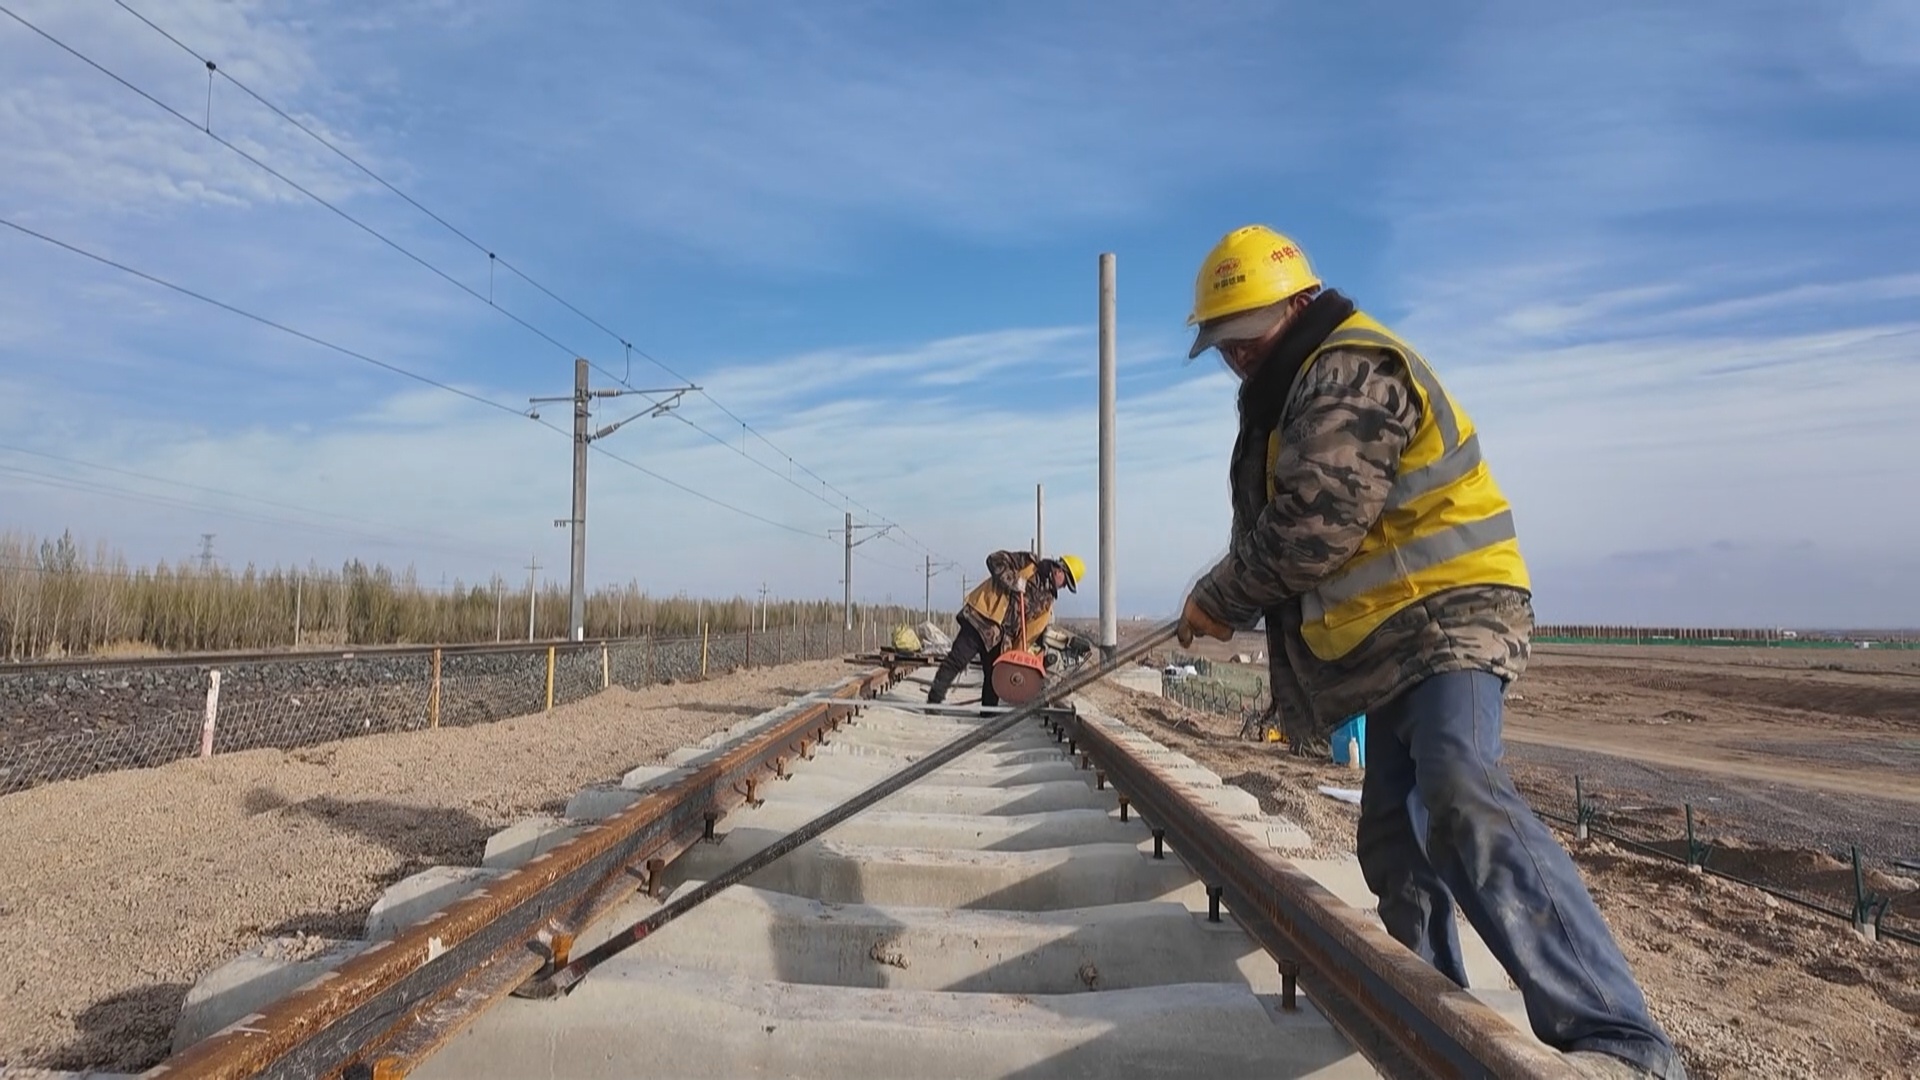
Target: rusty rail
column 381, row 1012
column 1402, row 1014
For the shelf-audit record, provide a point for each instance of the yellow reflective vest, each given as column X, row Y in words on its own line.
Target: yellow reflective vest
column 1445, row 523
column 992, row 603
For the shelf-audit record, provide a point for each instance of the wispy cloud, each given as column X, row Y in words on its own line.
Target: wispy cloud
column 1662, row 254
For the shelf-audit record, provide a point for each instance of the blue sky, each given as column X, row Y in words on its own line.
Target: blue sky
column 1664, row 254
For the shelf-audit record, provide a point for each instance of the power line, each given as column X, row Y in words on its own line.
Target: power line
column 707, row 498
column 94, row 487
column 492, row 258
column 261, row 319
column 304, row 336
column 207, row 130
column 246, row 498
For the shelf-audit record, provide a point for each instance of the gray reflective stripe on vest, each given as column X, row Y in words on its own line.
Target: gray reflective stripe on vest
column 1437, row 399
column 1416, row 555
column 1452, row 465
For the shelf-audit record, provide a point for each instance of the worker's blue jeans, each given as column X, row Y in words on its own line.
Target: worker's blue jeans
column 1441, row 824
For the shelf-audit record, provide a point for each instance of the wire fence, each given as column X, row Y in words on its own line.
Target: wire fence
column 1835, row 884
column 1839, row 885
column 77, row 723
column 1244, row 698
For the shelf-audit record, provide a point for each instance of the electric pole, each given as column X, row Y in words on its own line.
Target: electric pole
column 582, row 399
column 881, row 530
column 533, row 564
column 932, row 572
column 206, row 553
column 1039, row 520
column 1109, row 384
column 763, row 607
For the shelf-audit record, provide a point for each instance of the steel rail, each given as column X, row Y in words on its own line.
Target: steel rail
column 567, row 975
column 381, row 1011
column 1398, row 1011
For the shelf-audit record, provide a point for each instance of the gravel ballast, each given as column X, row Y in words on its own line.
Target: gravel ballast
column 117, row 891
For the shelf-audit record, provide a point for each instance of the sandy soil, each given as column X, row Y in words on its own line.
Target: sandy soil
column 1747, row 986
column 117, row 891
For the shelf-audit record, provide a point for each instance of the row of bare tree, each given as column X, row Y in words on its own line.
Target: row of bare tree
column 56, row 600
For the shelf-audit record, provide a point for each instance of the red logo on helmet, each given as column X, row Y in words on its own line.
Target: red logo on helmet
column 1225, row 267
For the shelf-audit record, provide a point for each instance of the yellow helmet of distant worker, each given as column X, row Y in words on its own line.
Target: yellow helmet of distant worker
column 1251, row 268
column 1075, row 570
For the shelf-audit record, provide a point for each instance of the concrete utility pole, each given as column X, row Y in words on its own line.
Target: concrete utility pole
column 933, row 572
column 847, row 581
column 1039, row 520
column 763, row 607
column 582, row 399
column 1109, row 588
column 533, row 565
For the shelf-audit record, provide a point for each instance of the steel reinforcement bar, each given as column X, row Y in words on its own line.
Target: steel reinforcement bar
column 380, row 1013
column 1398, row 1011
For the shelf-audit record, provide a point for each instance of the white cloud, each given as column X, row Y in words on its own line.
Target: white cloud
column 83, row 145
column 1665, row 342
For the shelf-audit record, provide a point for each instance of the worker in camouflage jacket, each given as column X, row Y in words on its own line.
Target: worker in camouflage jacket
column 1369, row 535
column 991, row 619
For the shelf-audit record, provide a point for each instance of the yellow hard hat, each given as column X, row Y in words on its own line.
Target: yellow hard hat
column 1075, row 569
column 1251, row 268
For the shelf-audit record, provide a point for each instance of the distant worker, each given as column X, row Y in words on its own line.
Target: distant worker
column 1371, row 537
column 990, row 618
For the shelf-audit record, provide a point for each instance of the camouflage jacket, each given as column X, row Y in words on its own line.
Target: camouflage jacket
column 1343, row 425
column 990, row 607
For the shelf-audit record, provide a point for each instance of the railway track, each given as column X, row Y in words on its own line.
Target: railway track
column 1065, row 898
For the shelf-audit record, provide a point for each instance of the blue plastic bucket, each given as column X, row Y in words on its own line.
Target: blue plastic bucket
column 1355, row 729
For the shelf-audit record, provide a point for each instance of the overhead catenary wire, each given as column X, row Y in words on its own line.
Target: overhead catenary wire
column 394, row 368
column 261, row 319
column 206, row 129
column 494, row 258
column 283, row 178
column 443, row 542
column 95, row 487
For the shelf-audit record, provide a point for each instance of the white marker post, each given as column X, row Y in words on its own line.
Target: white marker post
column 213, row 713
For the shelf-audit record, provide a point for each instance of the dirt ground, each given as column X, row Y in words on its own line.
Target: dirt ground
column 1747, row 985
column 118, row 891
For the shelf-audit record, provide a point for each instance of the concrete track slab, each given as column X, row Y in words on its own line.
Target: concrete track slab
column 759, row 934
column 1342, row 878
column 1048, row 880
column 413, row 899
column 1024, row 832
column 521, row 842
column 251, row 981
column 933, row 797
column 867, row 769
column 665, row 1021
